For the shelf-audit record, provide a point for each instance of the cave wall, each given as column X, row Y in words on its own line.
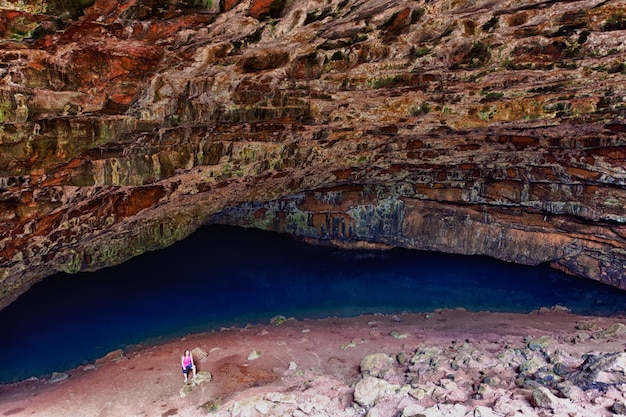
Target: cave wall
column 456, row 126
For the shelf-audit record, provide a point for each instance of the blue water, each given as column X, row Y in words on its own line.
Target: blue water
column 224, row 276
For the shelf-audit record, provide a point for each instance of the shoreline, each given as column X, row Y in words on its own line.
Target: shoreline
column 260, row 367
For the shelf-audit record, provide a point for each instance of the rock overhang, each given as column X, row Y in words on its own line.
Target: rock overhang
column 465, row 128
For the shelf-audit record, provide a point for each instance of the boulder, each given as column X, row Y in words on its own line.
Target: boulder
column 255, row 354
column 572, row 392
column 113, row 356
column 601, row 370
column 246, row 407
column 263, row 406
column 201, row 377
column 281, row 398
column 376, row 364
column 619, row 408
column 542, row 397
column 412, row 410
column 428, row 355
column 58, row 377
column 540, row 343
column 531, row 365
column 199, row 354
column 370, row 390
column 457, row 396
column 617, row 329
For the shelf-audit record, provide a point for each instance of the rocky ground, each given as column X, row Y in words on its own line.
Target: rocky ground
column 445, row 363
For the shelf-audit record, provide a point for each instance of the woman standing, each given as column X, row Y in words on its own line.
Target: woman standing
column 187, row 363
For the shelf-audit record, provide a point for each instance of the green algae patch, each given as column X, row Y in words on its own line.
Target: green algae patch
column 5, row 109
column 105, row 251
column 396, row 334
column 21, row 29
column 348, row 345
column 73, row 263
column 211, row 406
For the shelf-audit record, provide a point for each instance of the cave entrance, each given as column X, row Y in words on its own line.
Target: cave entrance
column 228, row 276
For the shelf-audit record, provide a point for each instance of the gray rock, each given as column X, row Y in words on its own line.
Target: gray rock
column 419, row 393
column 540, row 343
column 279, row 397
column 113, row 356
column 547, row 378
column 572, row 392
column 588, row 325
column 619, row 408
column 531, row 365
column 614, row 330
column 600, row 371
column 370, row 390
column 373, row 413
column 445, row 410
column 402, row 358
column 318, row 403
column 246, row 407
column 482, row 411
column 263, row 406
column 255, row 354
column 201, row 377
column 542, row 397
column 58, row 377
column 412, row 410
column 511, row 358
column 398, row 335
column 429, row 355
column 457, row 396
column 376, row 364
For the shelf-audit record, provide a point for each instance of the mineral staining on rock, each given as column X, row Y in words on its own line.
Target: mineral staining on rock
column 472, row 128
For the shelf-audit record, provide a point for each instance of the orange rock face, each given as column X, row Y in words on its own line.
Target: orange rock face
column 473, row 128
column 266, row 8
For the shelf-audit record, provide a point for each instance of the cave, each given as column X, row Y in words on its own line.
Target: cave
column 454, row 131
column 224, row 276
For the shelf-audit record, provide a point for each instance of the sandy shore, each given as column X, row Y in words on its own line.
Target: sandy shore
column 448, row 362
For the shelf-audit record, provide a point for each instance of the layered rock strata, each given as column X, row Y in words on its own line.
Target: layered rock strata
column 464, row 127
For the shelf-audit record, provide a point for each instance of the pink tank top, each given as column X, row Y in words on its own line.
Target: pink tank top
column 187, row 361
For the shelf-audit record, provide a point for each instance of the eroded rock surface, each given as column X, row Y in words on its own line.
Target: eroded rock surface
column 465, row 127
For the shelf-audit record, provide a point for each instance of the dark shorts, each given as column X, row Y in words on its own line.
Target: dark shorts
column 187, row 369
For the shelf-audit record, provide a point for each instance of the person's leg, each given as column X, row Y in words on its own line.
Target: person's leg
column 185, row 373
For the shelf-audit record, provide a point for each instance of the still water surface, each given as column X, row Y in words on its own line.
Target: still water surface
column 224, row 276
